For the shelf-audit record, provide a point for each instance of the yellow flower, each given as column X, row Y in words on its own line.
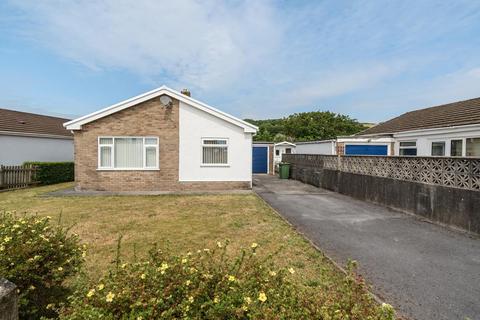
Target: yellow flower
column 139, row 318
column 84, row 254
column 248, row 300
column 123, row 266
column 189, row 253
column 2, row 248
column 60, row 269
column 273, row 273
column 219, row 244
column 100, row 286
column 32, row 287
column 245, row 308
column 110, row 297
column 254, row 245
column 7, row 239
column 164, row 266
column 190, row 299
column 90, row 293
column 262, row 297
column 184, row 260
column 143, row 276
column 216, row 300
column 291, row 270
column 231, row 278
column 206, row 250
column 188, row 282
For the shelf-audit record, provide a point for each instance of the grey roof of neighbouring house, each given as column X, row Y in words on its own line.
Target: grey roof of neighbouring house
column 448, row 115
column 17, row 122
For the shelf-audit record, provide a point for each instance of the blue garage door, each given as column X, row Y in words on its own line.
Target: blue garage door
column 365, row 150
column 260, row 160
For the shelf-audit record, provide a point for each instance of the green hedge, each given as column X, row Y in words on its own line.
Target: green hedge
column 53, row 172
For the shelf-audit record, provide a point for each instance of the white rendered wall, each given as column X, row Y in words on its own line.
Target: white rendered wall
column 424, row 139
column 14, row 150
column 326, row 147
column 195, row 125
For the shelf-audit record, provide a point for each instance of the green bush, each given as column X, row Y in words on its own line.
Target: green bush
column 209, row 285
column 53, row 172
column 37, row 257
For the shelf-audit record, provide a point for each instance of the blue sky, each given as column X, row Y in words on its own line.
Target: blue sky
column 371, row 60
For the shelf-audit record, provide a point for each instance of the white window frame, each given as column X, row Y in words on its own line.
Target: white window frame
column 226, row 145
column 112, row 147
column 444, row 147
column 407, row 147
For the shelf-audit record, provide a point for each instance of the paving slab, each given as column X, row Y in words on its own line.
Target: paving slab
column 424, row 270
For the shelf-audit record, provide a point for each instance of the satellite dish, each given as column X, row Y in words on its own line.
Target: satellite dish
column 166, row 100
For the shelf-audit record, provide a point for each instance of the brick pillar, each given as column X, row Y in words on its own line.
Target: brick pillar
column 8, row 300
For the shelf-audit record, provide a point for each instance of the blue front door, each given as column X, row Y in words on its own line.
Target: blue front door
column 260, row 160
column 365, row 150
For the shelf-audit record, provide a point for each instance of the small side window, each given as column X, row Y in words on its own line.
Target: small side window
column 438, row 148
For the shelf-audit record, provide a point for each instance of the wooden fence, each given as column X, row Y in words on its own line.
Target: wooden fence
column 14, row 177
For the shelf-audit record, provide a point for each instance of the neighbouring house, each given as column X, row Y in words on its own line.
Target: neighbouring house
column 33, row 137
column 281, row 148
column 450, row 130
column 263, row 159
column 162, row 140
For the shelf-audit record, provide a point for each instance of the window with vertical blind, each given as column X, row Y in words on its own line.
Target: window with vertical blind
column 214, row 151
column 128, row 153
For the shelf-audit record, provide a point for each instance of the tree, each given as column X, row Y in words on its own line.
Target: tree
column 306, row 126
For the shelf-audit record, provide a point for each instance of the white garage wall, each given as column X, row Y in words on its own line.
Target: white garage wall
column 318, row 147
column 14, row 150
column 195, row 125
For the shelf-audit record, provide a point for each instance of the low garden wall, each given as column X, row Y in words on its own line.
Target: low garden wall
column 444, row 190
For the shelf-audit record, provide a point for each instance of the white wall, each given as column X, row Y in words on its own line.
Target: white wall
column 320, row 147
column 195, row 125
column 425, row 138
column 14, row 150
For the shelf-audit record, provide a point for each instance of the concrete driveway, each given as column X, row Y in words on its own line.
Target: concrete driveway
column 425, row 271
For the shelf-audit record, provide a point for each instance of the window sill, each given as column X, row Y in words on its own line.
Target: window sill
column 128, row 169
column 215, row 165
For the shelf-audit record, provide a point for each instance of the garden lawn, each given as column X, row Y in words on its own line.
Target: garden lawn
column 182, row 222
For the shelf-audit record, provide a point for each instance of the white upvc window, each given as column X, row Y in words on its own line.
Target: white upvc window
column 214, row 152
column 128, row 153
column 408, row 148
column 438, row 148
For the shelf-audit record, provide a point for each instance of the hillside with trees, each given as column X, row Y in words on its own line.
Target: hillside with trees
column 306, row 126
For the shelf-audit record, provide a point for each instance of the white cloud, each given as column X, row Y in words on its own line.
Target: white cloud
column 196, row 43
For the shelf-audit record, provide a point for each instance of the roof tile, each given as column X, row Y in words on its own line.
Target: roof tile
column 448, row 115
column 23, row 122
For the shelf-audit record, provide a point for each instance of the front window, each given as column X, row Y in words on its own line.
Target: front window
column 456, row 147
column 277, row 152
column 408, row 148
column 128, row 153
column 473, row 147
column 215, row 151
column 288, row 150
column 438, row 148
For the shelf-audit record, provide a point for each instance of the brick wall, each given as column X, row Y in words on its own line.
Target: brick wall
column 149, row 118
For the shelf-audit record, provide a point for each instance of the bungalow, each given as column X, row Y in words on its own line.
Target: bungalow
column 162, row 140
column 450, row 130
column 33, row 137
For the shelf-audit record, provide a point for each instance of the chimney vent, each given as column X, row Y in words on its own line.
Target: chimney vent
column 186, row 92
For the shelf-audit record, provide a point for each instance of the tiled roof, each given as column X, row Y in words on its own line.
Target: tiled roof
column 447, row 115
column 30, row 123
